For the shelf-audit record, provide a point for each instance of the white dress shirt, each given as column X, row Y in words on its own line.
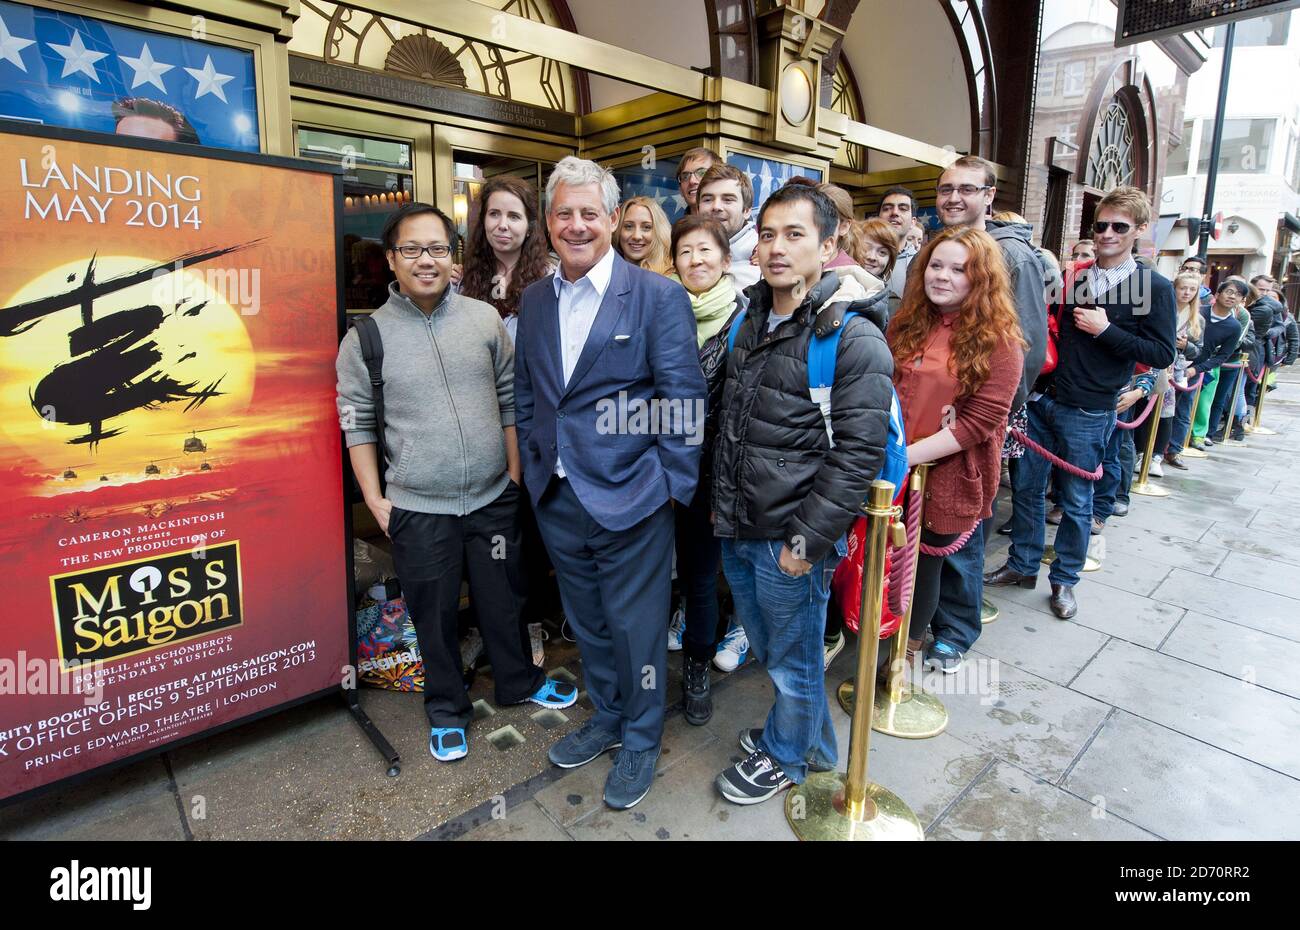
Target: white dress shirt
column 579, row 302
column 1102, row 281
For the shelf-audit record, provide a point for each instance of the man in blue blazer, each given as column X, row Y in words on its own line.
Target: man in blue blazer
column 609, row 403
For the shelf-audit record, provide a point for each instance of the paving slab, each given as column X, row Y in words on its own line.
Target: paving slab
column 135, row 802
column 1276, row 546
column 581, row 792
column 1102, row 608
column 1267, row 660
column 1030, row 721
column 1008, row 804
column 1251, row 722
column 1227, row 600
column 1123, row 570
column 527, row 821
column 1040, row 644
column 1258, row 572
column 1183, row 789
column 684, row 804
column 1130, row 541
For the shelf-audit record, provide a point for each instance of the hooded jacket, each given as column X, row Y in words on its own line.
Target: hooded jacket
column 741, row 269
column 776, row 475
column 1028, row 282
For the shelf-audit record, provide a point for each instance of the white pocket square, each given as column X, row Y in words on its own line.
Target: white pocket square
column 623, row 338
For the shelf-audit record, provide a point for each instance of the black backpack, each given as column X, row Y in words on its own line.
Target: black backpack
column 372, row 351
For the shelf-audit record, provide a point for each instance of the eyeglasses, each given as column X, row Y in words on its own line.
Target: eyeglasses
column 697, row 174
column 415, row 251
column 1120, row 228
column 966, row 190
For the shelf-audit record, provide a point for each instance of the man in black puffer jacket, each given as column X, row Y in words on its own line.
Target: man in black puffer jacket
column 789, row 479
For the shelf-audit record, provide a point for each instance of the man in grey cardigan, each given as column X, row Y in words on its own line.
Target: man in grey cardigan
column 452, row 497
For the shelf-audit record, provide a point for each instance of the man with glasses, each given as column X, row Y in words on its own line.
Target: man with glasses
column 452, row 470
column 964, row 196
column 690, row 170
column 1115, row 315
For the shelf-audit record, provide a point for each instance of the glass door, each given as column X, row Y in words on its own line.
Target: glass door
column 386, row 163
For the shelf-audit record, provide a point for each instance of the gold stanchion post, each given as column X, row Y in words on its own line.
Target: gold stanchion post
column 902, row 709
column 1142, row 486
column 1188, row 452
column 1237, row 390
column 1259, row 408
column 835, row 806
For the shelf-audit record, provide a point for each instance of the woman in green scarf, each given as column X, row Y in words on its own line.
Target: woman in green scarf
column 701, row 254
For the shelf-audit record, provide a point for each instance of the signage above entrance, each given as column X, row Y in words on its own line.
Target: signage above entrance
column 1143, row 20
column 310, row 72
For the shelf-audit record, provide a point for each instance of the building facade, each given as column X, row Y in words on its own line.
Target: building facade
column 1103, row 117
column 1258, row 186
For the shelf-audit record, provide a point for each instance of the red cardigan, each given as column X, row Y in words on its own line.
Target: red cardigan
column 961, row 488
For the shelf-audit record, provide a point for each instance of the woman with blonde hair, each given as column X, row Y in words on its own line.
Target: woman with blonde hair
column 642, row 235
column 958, row 353
column 874, row 246
column 1191, row 328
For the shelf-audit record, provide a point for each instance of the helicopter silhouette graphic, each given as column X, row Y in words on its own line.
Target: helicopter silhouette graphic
column 115, row 365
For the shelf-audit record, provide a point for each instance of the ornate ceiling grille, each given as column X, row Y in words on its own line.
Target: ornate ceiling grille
column 343, row 35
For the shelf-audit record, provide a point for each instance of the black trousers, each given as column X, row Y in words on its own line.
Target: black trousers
column 925, row 596
column 430, row 552
column 699, row 554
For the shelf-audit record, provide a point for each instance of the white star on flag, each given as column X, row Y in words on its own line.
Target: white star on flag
column 210, row 80
column 78, row 58
column 11, row 45
column 147, row 70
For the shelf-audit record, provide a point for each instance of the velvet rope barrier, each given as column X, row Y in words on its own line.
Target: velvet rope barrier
column 1191, row 387
column 1055, row 460
column 1151, row 402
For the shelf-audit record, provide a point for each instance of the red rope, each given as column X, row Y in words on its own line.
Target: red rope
column 1191, row 387
column 1151, row 402
column 1058, row 462
column 951, row 547
column 1262, row 371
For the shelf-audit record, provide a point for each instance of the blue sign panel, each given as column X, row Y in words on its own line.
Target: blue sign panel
column 60, row 69
column 767, row 175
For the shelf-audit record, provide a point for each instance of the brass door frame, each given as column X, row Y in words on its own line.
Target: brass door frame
column 447, row 139
column 417, row 133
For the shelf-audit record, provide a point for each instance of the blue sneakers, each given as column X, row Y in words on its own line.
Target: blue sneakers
column 943, row 657
column 447, row 744
column 555, row 694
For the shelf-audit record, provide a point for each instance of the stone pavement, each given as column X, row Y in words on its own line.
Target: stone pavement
column 1168, row 709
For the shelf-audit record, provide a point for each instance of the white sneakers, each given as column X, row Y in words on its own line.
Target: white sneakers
column 734, row 648
column 676, row 627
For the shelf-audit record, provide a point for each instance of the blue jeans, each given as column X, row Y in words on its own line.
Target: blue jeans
column 1182, row 421
column 1117, row 467
column 1079, row 436
column 785, row 620
column 961, row 591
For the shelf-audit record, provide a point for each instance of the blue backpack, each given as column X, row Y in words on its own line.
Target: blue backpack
column 821, row 376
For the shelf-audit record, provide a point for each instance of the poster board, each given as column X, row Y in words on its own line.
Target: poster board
column 173, row 529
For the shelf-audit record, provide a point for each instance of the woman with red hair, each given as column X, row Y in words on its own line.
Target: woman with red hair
column 958, row 355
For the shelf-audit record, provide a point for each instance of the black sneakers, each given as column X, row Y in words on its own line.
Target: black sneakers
column 697, row 702
column 753, row 780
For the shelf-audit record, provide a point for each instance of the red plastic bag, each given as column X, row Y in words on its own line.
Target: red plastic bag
column 847, row 580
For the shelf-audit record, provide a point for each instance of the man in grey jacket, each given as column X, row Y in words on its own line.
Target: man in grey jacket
column 453, row 470
column 965, row 194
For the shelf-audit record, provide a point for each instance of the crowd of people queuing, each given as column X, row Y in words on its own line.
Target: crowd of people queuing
column 510, row 443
